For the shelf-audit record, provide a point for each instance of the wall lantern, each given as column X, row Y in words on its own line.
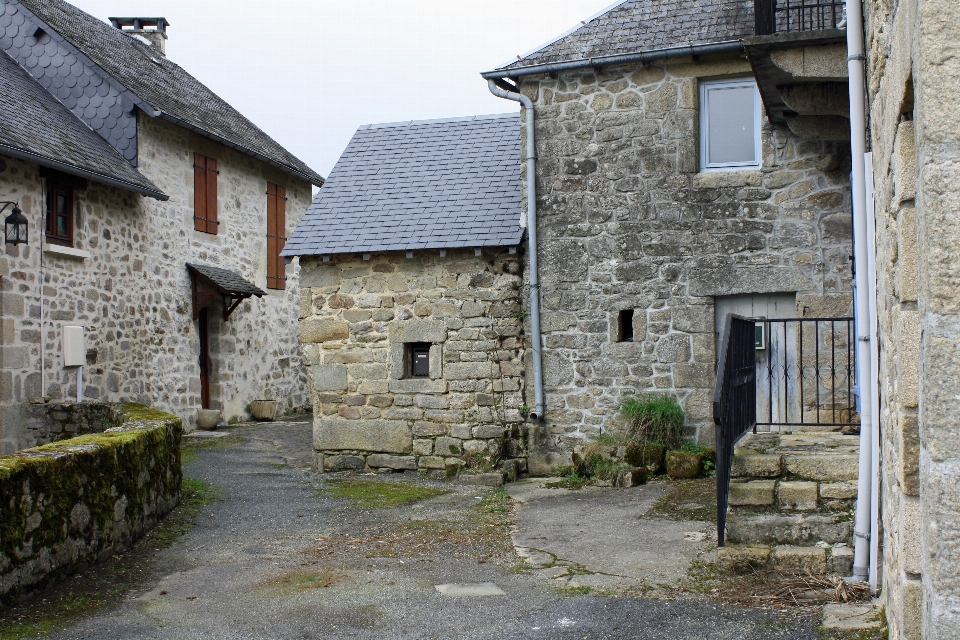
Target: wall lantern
column 14, row 225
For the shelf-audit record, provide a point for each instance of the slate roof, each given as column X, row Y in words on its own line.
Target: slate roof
column 158, row 83
column 419, row 185
column 37, row 127
column 229, row 281
column 643, row 25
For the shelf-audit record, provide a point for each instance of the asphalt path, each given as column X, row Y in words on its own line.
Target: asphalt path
column 280, row 557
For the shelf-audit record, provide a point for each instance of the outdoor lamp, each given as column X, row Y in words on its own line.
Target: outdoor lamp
column 15, row 225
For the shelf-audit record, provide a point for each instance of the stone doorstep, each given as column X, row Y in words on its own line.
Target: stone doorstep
column 739, row 559
column 790, row 529
column 788, row 558
column 852, row 617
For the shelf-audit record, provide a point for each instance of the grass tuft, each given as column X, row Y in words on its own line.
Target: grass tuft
column 655, row 417
column 375, row 494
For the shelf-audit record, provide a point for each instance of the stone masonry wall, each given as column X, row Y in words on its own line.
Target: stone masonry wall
column 627, row 221
column 913, row 96
column 132, row 294
column 356, row 317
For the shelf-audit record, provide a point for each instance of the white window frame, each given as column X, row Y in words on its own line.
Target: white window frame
column 705, row 88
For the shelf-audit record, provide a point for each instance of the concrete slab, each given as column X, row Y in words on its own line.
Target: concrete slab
column 470, row 590
column 851, row 617
column 602, row 530
column 206, row 434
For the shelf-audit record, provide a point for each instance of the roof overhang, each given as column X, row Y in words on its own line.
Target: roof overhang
column 207, row 283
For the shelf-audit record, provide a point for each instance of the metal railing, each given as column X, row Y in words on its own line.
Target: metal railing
column 807, row 370
column 785, row 16
column 734, row 402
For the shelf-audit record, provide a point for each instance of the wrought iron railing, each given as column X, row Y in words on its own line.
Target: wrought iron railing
column 807, row 373
column 784, row 16
column 734, row 402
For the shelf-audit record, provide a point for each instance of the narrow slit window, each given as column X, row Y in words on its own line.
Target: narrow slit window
column 418, row 358
column 626, row 325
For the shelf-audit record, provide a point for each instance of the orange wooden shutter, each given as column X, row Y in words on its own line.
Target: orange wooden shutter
column 273, row 281
column 199, row 192
column 211, row 210
column 281, row 236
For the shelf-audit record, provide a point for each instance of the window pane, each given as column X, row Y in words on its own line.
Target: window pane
column 731, row 115
column 62, row 226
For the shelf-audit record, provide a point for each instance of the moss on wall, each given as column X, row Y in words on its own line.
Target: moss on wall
column 73, row 502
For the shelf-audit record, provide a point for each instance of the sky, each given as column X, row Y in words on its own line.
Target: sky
column 309, row 72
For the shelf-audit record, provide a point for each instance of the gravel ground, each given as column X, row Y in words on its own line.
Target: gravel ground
column 281, row 556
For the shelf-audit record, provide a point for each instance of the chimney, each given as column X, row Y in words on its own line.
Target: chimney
column 156, row 36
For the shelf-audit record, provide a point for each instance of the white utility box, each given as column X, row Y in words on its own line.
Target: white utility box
column 74, row 349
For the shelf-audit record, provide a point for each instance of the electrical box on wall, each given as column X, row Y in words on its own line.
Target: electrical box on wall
column 74, row 349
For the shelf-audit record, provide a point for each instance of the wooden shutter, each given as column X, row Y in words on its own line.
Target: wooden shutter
column 276, row 235
column 205, row 193
column 212, row 172
column 199, row 192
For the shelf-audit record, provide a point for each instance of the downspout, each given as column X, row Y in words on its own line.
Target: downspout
column 536, row 338
column 864, row 530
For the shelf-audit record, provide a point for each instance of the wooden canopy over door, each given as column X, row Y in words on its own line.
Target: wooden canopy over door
column 209, row 282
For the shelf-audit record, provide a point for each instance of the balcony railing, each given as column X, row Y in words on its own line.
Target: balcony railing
column 789, row 16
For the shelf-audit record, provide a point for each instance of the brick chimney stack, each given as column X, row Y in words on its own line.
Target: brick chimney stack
column 156, row 36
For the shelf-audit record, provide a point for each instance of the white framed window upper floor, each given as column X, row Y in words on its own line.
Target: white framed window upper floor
column 730, row 117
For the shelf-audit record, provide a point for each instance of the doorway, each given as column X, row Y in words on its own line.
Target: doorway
column 204, row 331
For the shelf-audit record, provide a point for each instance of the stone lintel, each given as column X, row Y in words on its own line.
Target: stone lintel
column 386, row 436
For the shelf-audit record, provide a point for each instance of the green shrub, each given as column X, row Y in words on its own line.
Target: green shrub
column 658, row 418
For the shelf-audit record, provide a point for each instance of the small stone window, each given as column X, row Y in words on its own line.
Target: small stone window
column 625, row 326
column 418, row 359
column 730, row 115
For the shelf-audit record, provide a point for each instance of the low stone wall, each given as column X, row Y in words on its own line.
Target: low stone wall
column 47, row 422
column 74, row 502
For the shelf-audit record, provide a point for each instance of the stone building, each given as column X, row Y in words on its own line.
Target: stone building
column 912, row 94
column 127, row 169
column 411, row 281
column 655, row 221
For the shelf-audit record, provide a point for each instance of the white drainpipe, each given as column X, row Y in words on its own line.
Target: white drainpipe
column 535, row 339
column 865, row 527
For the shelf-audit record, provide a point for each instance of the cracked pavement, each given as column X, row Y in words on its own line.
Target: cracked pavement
column 282, row 557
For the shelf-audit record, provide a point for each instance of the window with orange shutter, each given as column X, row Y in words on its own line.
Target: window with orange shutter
column 276, row 236
column 205, row 194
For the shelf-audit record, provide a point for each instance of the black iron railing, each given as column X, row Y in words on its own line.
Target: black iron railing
column 784, row 16
column 807, row 370
column 734, row 402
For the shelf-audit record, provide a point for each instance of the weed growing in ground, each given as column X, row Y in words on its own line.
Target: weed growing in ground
column 375, row 494
column 655, row 417
column 569, row 479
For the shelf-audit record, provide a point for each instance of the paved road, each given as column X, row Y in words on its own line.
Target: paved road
column 281, row 558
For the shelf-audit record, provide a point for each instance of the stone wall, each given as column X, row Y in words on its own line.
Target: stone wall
column 627, row 221
column 356, row 318
column 132, row 292
column 69, row 504
column 913, row 96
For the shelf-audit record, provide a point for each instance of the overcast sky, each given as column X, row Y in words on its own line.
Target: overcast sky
column 309, row 72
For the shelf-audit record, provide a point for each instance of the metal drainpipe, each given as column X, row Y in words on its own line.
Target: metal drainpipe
column 863, row 528
column 536, row 338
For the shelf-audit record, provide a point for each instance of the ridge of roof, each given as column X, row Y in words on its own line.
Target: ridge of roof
column 37, row 127
column 159, row 86
column 413, row 123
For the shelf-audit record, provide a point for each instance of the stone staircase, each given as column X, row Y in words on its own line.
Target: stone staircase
column 792, row 500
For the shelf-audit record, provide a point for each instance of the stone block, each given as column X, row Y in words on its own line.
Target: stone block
column 383, row 461
column 445, row 446
column 840, row 561
column 823, row 467
column 422, row 447
column 756, row 493
column 848, row 617
column 488, row 431
column 721, row 179
column 792, row 559
column 492, row 479
column 732, row 280
column 468, row 371
column 417, row 385
column 328, row 377
column 735, row 559
column 431, row 462
column 384, row 436
column 425, row 401
column 800, row 529
column 342, row 463
column 797, row 496
column 542, row 464
column 461, row 431
column 323, row 329
column 839, row 491
column 761, row 465
column 424, row 429
column 418, row 330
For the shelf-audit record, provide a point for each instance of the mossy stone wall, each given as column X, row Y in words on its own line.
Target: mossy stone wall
column 72, row 503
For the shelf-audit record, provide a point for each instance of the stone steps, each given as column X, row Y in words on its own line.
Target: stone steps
column 792, row 498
